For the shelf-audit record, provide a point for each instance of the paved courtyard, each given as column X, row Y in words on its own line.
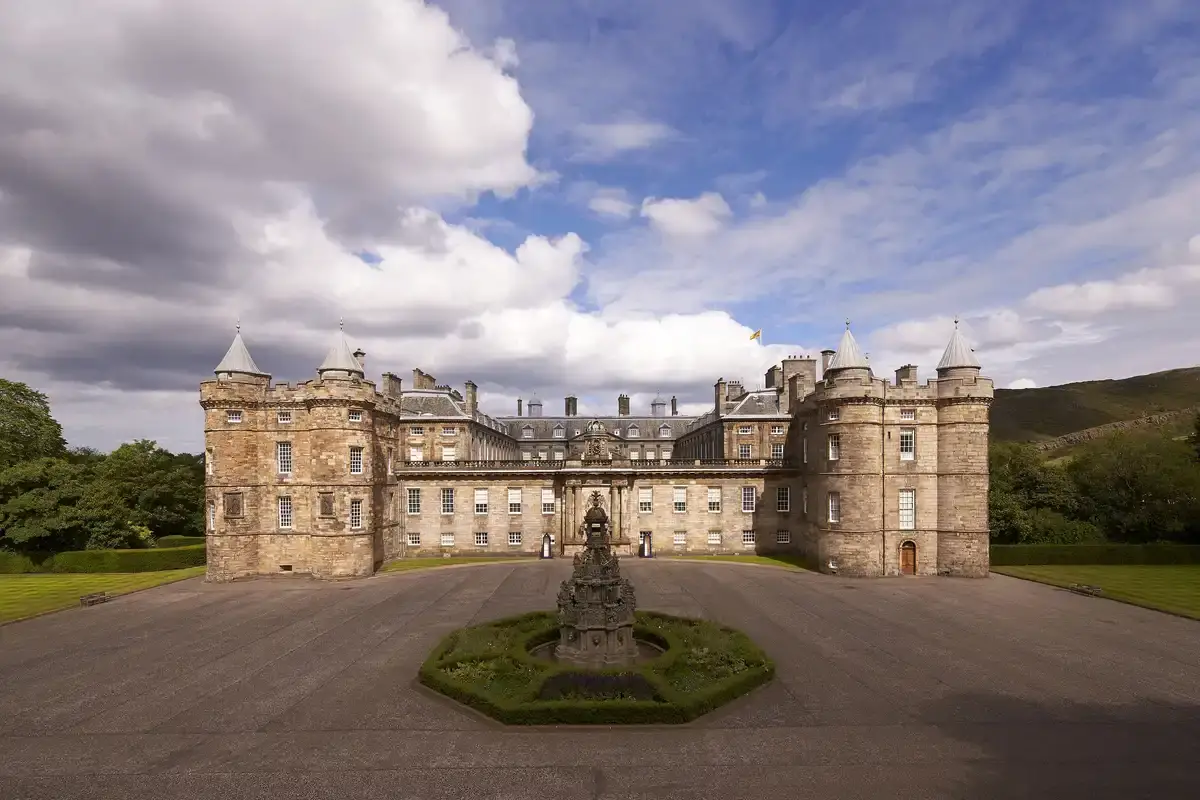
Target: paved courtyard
column 894, row 688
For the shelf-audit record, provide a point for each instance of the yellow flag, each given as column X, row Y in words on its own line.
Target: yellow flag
column 756, row 335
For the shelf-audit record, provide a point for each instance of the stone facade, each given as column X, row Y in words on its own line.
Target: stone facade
column 334, row 476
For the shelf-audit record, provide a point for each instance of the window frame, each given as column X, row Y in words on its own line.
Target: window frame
column 283, row 416
column 911, row 435
column 517, row 507
column 354, row 415
column 283, row 448
column 783, row 499
column 677, row 505
column 481, row 538
column 833, row 510
column 518, row 541
column 645, row 506
column 356, row 504
column 548, row 508
column 749, row 537
column 234, row 416
column 745, row 451
column 711, row 502
column 413, row 538
column 749, row 493
column 481, row 508
column 783, row 536
column 412, row 500
column 833, row 447
column 911, row 495
column 447, row 498
column 281, row 502
column 360, row 451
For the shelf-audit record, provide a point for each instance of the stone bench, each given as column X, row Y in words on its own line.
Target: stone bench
column 93, row 599
column 1092, row 591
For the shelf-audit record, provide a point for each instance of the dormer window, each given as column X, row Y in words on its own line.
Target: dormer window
column 664, row 432
column 233, row 417
column 633, row 432
column 527, row 432
column 560, row 432
column 355, row 415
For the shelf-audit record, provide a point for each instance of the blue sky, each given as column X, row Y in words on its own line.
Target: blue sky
column 576, row 196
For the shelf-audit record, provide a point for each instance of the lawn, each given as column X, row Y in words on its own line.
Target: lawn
column 404, row 564
column 28, row 595
column 1175, row 589
column 780, row 560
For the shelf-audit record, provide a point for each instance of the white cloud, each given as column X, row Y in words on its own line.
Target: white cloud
column 1146, row 289
column 607, row 140
column 683, row 218
column 1023, row 383
column 611, row 202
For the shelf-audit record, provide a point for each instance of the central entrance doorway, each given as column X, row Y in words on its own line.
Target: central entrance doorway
column 908, row 558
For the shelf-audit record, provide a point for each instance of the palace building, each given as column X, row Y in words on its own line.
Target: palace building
column 334, row 476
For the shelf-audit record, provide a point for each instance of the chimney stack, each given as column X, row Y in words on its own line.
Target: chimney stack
column 826, row 357
column 674, row 406
column 795, row 389
column 520, row 402
column 623, row 405
column 719, row 397
column 361, row 356
column 906, row 373
column 472, row 398
column 795, row 367
column 391, row 385
column 774, row 378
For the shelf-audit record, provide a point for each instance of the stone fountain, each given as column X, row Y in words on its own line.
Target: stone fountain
column 596, row 605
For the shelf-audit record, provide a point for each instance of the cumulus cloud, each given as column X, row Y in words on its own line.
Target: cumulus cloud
column 1023, row 383
column 684, row 218
column 606, row 140
column 611, row 202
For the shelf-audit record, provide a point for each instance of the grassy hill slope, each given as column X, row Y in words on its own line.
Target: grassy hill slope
column 1053, row 411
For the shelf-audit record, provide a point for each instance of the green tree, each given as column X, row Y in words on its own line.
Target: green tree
column 1139, row 487
column 40, row 505
column 1031, row 501
column 162, row 490
column 27, row 429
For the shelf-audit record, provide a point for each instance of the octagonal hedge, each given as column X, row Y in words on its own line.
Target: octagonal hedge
column 489, row 668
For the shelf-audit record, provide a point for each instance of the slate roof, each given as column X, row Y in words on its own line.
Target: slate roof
column 958, row 353
column 237, row 359
column 848, row 355
column 543, row 427
column 439, row 403
column 340, row 357
column 755, row 403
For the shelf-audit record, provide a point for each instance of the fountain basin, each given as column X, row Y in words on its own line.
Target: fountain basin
column 646, row 651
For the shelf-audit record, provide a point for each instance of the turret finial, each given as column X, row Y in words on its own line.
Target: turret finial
column 847, row 323
column 341, row 324
column 956, row 321
column 237, row 327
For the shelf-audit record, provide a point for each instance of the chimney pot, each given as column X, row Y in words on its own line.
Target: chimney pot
column 519, row 404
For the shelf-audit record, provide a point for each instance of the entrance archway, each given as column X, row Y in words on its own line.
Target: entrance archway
column 908, row 557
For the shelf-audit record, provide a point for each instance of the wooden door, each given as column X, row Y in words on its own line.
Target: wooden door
column 908, row 559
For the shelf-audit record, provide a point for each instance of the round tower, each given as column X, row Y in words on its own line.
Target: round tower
column 847, row 484
column 964, row 399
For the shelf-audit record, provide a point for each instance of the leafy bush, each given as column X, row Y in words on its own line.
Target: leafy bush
column 1014, row 555
column 489, row 667
column 175, row 540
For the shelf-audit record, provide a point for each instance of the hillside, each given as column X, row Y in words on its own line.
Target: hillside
column 1053, row 411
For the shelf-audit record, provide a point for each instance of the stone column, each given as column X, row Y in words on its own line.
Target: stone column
column 619, row 509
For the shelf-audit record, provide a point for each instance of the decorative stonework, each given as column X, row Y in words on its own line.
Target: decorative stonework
column 596, row 605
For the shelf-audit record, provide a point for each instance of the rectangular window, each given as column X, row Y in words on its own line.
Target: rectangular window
column 714, row 499
column 285, row 512
column 542, row 455
column 645, row 500
column 233, row 417
column 356, row 461
column 908, row 509
column 664, row 432
column 665, row 454
column 749, row 499
column 283, row 457
column 714, row 537
column 783, row 498
column 679, row 538
column 449, row 454
column 745, row 430
column 283, row 417
column 908, row 444
column 558, row 455
column 416, row 454
column 481, row 501
column 747, row 537
column 526, row 455
column 632, row 433
column 325, row 504
column 547, row 501
column 212, row 516
column 417, row 430
column 650, row 453
column 449, row 430
column 835, row 507
column 777, row 451
column 680, row 499
column 835, row 446
column 481, row 538
column 908, row 415
column 355, row 415
column 514, row 538
column 634, row 455
column 447, row 540
column 514, row 501
column 777, row 430
column 414, row 501
column 356, row 520
column 447, row 501
column 527, row 433
column 560, row 433
column 783, row 537
column 233, row 504
column 743, row 451
column 835, row 414
column 414, row 538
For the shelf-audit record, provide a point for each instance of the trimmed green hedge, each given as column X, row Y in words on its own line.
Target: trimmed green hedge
column 1020, row 555
column 148, row 560
column 175, row 540
column 488, row 667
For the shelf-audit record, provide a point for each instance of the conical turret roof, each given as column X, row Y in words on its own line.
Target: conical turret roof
column 340, row 357
column 958, row 353
column 237, row 359
column 848, row 353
